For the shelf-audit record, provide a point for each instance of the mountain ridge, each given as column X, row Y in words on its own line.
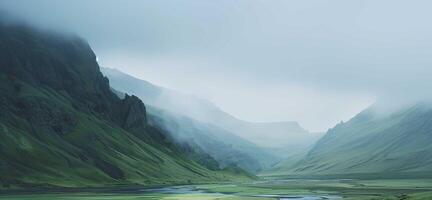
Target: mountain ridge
column 272, row 134
column 373, row 144
column 61, row 125
column 227, row 148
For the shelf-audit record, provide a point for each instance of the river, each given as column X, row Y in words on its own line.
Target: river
column 194, row 190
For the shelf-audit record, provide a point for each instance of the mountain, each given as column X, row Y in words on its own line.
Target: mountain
column 281, row 138
column 227, row 148
column 61, row 125
column 373, row 144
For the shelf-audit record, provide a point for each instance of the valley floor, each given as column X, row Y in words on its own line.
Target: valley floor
column 406, row 189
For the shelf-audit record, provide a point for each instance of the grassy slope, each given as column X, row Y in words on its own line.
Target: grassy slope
column 40, row 158
column 372, row 145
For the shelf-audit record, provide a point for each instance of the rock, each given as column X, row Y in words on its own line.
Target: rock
column 134, row 113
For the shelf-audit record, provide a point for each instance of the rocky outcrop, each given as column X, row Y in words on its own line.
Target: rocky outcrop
column 133, row 113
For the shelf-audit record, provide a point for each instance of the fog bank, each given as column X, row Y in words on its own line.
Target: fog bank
column 316, row 62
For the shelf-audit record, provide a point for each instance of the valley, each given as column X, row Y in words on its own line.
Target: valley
column 74, row 129
column 295, row 189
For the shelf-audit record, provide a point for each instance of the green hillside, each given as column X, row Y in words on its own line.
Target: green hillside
column 373, row 144
column 61, row 125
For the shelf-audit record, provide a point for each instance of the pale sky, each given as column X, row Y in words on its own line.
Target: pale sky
column 315, row 62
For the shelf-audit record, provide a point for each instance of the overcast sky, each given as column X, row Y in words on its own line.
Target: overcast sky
column 315, row 62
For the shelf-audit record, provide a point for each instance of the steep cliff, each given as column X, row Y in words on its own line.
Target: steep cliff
column 61, row 125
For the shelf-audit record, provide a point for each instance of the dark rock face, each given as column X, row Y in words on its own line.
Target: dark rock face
column 47, row 84
column 67, row 65
column 133, row 113
column 64, row 64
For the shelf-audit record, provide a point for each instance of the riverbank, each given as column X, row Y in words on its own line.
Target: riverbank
column 389, row 189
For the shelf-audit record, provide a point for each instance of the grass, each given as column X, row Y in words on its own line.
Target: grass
column 396, row 189
column 151, row 196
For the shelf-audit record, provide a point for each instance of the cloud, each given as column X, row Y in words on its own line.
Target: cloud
column 318, row 62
